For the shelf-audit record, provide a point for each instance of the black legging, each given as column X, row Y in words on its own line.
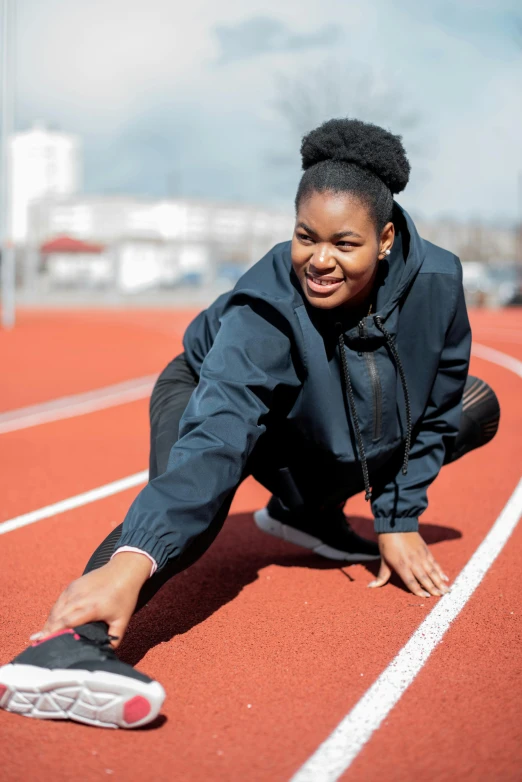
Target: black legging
column 479, row 423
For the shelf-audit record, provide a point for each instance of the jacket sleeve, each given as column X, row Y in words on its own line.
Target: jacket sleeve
column 398, row 504
column 247, row 372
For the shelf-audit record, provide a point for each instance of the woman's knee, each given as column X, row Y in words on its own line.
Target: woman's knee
column 481, row 405
column 480, row 418
column 173, row 388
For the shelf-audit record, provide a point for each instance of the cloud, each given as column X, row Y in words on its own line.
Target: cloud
column 139, row 82
column 267, row 35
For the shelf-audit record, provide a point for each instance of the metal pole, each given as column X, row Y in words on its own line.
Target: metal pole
column 519, row 222
column 7, row 249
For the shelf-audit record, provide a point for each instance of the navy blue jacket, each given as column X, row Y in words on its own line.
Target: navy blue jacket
column 269, row 364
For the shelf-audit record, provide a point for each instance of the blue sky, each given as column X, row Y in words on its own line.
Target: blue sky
column 180, row 99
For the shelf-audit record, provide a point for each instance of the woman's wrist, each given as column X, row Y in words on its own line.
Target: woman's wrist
column 134, row 566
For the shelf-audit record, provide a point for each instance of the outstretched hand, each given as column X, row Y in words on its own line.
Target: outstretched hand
column 108, row 594
column 407, row 554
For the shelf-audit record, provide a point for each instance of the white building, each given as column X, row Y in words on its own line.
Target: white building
column 71, row 263
column 142, row 264
column 157, row 243
column 42, row 164
column 108, row 218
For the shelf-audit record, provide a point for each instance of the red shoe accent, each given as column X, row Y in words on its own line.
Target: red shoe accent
column 3, row 688
column 55, row 635
column 136, row 709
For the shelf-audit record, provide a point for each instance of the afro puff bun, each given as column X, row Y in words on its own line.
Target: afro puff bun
column 362, row 144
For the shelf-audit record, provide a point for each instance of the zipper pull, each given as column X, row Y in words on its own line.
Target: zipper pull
column 362, row 332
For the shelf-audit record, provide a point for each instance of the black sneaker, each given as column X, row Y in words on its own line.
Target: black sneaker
column 74, row 674
column 328, row 535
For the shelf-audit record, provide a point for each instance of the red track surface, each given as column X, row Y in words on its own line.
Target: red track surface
column 262, row 648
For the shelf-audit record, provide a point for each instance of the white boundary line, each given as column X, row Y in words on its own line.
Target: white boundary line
column 496, row 357
column 336, row 754
column 77, row 404
column 74, row 502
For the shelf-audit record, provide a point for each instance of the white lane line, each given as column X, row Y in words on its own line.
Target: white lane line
column 77, row 404
column 336, row 754
column 75, row 502
column 496, row 357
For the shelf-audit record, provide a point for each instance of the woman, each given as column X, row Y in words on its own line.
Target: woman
column 337, row 364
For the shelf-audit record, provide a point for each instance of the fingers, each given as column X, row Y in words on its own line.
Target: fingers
column 69, row 617
column 413, row 584
column 437, row 567
column 117, row 629
column 383, row 577
column 108, row 594
column 407, row 554
column 425, row 578
column 53, row 623
column 69, row 610
column 431, row 570
column 73, row 617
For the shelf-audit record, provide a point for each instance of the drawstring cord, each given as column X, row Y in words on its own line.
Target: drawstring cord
column 353, row 410
column 355, row 417
column 395, row 354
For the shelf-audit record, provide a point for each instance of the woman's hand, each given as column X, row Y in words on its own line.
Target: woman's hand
column 409, row 556
column 108, row 594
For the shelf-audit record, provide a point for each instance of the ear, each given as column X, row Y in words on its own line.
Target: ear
column 386, row 240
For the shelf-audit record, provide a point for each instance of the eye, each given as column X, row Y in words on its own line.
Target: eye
column 346, row 245
column 303, row 237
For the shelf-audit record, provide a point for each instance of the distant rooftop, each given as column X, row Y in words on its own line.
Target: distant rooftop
column 66, row 244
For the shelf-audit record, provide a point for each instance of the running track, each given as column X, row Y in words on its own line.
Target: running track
column 263, row 649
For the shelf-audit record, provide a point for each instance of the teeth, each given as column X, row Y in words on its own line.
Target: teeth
column 325, row 282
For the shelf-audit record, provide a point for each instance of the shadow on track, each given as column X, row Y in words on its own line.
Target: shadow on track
column 234, row 560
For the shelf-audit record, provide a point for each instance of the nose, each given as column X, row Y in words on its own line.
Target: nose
column 322, row 259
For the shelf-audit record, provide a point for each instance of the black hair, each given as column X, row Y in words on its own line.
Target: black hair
column 350, row 156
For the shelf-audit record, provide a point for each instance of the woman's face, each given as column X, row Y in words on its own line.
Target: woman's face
column 336, row 251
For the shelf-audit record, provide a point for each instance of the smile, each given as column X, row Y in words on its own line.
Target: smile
column 323, row 284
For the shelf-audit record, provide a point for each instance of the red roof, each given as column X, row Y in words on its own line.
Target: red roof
column 66, row 244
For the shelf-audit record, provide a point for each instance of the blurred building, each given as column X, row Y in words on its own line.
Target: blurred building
column 150, row 243
column 68, row 240
column 492, row 266
column 71, row 262
column 42, row 164
column 472, row 240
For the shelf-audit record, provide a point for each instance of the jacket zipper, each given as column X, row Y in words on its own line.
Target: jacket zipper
column 376, row 386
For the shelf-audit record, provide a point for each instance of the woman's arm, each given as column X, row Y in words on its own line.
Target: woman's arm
column 247, row 372
column 398, row 503
column 108, row 594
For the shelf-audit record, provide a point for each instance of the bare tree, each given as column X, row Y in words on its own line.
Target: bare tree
column 333, row 89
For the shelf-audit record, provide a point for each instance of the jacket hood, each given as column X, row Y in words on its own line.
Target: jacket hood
column 395, row 277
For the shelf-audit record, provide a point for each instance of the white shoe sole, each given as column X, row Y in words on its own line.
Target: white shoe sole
column 266, row 523
column 106, row 700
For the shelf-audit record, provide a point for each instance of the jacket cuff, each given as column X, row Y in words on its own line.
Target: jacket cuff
column 148, row 544
column 396, row 524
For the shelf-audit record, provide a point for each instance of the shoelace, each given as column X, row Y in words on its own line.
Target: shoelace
column 347, row 382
